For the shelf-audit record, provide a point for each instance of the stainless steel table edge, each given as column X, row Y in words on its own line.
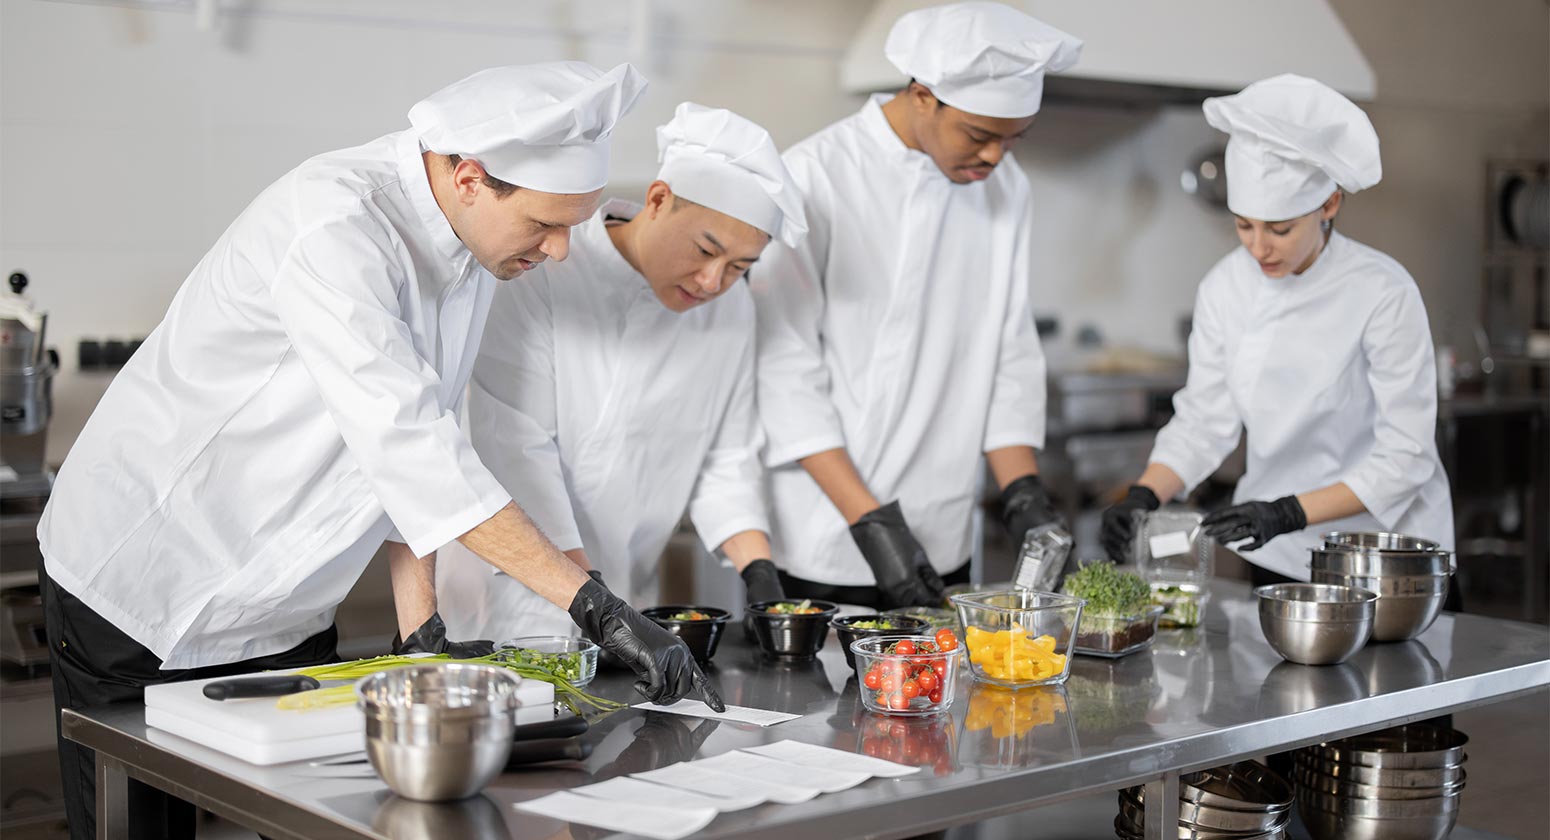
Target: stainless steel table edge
column 121, row 757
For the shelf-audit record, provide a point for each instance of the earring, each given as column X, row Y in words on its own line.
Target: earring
column 1327, row 224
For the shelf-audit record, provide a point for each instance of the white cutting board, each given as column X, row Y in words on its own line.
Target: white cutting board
column 257, row 731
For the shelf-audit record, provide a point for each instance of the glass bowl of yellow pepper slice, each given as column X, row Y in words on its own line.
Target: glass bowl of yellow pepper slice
column 1019, row 637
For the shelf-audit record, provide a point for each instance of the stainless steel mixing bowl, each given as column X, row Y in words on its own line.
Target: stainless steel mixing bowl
column 1332, row 818
column 1407, row 605
column 439, row 731
column 1315, row 624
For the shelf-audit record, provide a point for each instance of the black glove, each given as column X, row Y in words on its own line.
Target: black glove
column 1119, row 522
column 662, row 660
column 596, row 575
column 1264, row 521
column 904, row 574
column 431, row 637
column 762, row 582
column 1025, row 506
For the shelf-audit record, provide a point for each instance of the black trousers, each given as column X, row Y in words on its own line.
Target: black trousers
column 94, row 663
column 862, row 596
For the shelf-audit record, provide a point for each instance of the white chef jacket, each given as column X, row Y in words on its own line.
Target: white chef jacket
column 294, row 407
column 901, row 330
column 606, row 415
column 1332, row 374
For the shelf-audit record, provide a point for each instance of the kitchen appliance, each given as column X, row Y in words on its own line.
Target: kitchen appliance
column 27, row 371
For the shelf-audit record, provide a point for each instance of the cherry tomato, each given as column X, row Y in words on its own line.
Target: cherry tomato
column 873, row 680
column 892, row 681
column 940, row 666
column 905, row 647
column 946, row 639
column 898, row 702
column 935, row 696
column 927, row 680
column 910, row 690
column 882, row 699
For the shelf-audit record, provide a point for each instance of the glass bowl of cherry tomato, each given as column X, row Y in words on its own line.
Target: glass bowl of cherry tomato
column 908, row 675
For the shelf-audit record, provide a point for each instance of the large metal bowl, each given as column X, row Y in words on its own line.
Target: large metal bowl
column 1370, row 562
column 1315, row 624
column 1380, row 540
column 1413, row 747
column 1406, row 607
column 439, row 731
column 1385, row 777
column 1314, row 780
column 1332, row 818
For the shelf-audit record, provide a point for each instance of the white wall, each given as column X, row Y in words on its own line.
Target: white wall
column 129, row 138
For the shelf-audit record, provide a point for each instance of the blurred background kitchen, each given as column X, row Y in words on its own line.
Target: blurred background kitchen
column 133, row 131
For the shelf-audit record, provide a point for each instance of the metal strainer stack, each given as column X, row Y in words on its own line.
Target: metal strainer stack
column 1242, row 801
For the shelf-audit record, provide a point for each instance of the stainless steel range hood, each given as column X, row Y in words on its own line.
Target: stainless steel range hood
column 1158, row 51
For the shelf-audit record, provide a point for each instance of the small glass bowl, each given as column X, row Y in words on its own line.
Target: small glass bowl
column 1019, row 637
column 573, row 658
column 894, row 670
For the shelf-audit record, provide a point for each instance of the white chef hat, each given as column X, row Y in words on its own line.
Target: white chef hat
column 540, row 126
column 983, row 58
column 714, row 157
column 1293, row 140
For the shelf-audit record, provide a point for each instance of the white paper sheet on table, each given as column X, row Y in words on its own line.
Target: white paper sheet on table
column 690, row 776
column 656, row 821
column 812, row 755
column 759, row 768
column 734, row 714
column 625, row 789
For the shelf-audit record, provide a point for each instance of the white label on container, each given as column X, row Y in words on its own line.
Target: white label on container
column 1170, row 545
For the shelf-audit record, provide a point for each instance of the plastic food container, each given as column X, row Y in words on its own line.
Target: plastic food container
column 847, row 632
column 1113, row 636
column 1018, row 638
column 1170, row 547
column 933, row 616
column 913, row 683
column 702, row 635
column 791, row 636
column 575, row 659
column 1184, row 604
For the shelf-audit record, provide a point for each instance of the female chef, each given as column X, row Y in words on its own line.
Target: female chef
column 1316, row 344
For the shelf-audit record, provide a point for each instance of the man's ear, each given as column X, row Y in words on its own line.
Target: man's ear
column 659, row 199
column 467, row 180
column 1331, row 206
column 921, row 97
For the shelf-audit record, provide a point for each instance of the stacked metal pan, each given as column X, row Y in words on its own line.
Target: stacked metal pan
column 1410, row 576
column 1396, row 784
column 1242, row 801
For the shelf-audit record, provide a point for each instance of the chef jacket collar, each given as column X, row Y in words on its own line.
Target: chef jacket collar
column 1316, row 273
column 411, row 173
column 875, row 123
column 596, row 232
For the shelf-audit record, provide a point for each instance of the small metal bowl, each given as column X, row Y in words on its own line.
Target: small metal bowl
column 1313, row 623
column 1380, row 540
column 441, row 731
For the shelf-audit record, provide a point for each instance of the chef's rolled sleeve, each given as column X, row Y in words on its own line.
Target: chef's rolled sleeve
column 336, row 293
column 1206, row 427
column 1019, row 394
column 512, row 408
column 792, row 381
column 1397, row 343
column 728, row 496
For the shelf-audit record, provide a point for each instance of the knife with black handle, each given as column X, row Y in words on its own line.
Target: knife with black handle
column 539, row 750
column 247, row 687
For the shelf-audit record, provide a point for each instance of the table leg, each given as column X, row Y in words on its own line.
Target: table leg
column 1162, row 808
column 112, row 799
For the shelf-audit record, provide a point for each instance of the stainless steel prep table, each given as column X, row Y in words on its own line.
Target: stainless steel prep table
column 1200, row 698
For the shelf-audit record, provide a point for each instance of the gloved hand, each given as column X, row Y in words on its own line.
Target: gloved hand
column 431, row 637
column 1119, row 522
column 1263, row 521
column 762, row 582
column 904, row 574
column 1025, row 506
column 662, row 660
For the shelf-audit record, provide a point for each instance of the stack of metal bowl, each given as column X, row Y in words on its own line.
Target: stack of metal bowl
column 441, row 731
column 1397, row 784
column 1409, row 574
column 1242, row 801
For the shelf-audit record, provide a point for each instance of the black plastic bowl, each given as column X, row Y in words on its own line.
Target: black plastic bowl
column 791, row 637
column 847, row 633
column 701, row 635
